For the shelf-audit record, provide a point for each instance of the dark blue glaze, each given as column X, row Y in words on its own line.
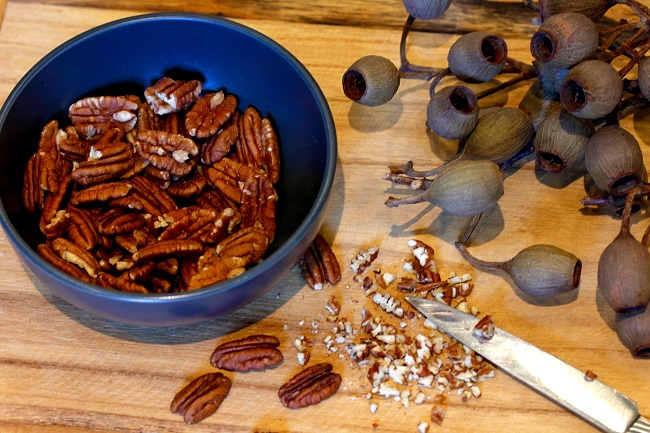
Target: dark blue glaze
column 126, row 56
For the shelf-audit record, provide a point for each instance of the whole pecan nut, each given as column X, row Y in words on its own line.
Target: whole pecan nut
column 201, row 397
column 256, row 352
column 309, row 387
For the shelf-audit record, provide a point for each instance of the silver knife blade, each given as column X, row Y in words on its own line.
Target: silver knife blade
column 592, row 400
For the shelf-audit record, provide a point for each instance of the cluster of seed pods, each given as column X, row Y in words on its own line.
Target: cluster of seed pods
column 569, row 116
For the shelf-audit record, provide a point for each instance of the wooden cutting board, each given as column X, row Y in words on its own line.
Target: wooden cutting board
column 64, row 370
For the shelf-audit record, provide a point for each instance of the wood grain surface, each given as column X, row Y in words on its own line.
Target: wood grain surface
column 64, row 370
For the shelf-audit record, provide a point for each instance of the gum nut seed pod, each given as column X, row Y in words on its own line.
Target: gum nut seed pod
column 614, row 160
column 537, row 103
column 539, row 270
column 452, row 112
column 464, row 188
column 550, row 77
column 593, row 9
column 561, row 140
column 477, row 57
column 644, row 77
column 624, row 273
column 371, row 80
column 633, row 329
column 564, row 40
column 499, row 135
column 592, row 89
column 426, row 9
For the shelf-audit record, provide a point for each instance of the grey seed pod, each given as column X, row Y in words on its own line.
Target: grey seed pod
column 426, row 9
column 593, row 9
column 371, row 80
column 477, row 57
column 561, row 140
column 550, row 77
column 499, row 135
column 464, row 188
column 538, row 102
column 539, row 270
column 624, row 267
column 452, row 112
column 624, row 273
column 644, row 77
column 592, row 89
column 633, row 329
column 614, row 160
column 564, row 40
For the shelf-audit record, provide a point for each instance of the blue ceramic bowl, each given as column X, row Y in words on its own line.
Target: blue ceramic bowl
column 128, row 55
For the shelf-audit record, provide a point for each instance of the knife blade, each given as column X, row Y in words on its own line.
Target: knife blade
column 592, row 400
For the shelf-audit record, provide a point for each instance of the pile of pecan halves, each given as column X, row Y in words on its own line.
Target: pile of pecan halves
column 170, row 193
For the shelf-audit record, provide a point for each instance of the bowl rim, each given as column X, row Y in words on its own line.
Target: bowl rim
column 276, row 256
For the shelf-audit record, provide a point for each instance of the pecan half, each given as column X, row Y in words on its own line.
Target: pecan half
column 219, row 145
column 101, row 192
column 201, row 397
column 167, row 151
column 319, row 264
column 256, row 352
column 81, row 229
column 164, row 249
column 46, row 251
column 106, row 161
column 258, row 204
column 249, row 243
column 188, row 187
column 212, row 269
column 96, row 114
column 76, row 255
column 168, row 96
column 209, row 114
column 109, row 281
column 309, row 387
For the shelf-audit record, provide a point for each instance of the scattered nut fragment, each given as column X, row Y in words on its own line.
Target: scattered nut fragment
column 201, row 397
column 590, row 376
column 309, row 387
column 423, row 427
column 484, row 330
column 333, row 306
column 364, row 259
column 256, row 352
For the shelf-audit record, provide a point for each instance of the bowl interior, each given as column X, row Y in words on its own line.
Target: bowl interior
column 129, row 55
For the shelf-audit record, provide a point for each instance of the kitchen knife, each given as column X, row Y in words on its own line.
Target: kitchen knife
column 597, row 403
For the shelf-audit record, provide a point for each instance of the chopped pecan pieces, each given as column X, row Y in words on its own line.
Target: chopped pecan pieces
column 256, row 352
column 484, row 329
column 319, row 265
column 201, row 397
column 309, row 387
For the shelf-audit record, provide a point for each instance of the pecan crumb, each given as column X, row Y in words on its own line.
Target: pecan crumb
column 590, row 376
column 484, row 330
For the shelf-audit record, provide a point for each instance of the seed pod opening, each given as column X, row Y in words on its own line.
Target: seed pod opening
column 565, row 39
column 614, row 160
column 452, row 112
column 592, row 89
column 371, row 80
column 633, row 328
column 426, row 9
column 464, row 188
column 539, row 270
column 561, row 140
column 477, row 57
